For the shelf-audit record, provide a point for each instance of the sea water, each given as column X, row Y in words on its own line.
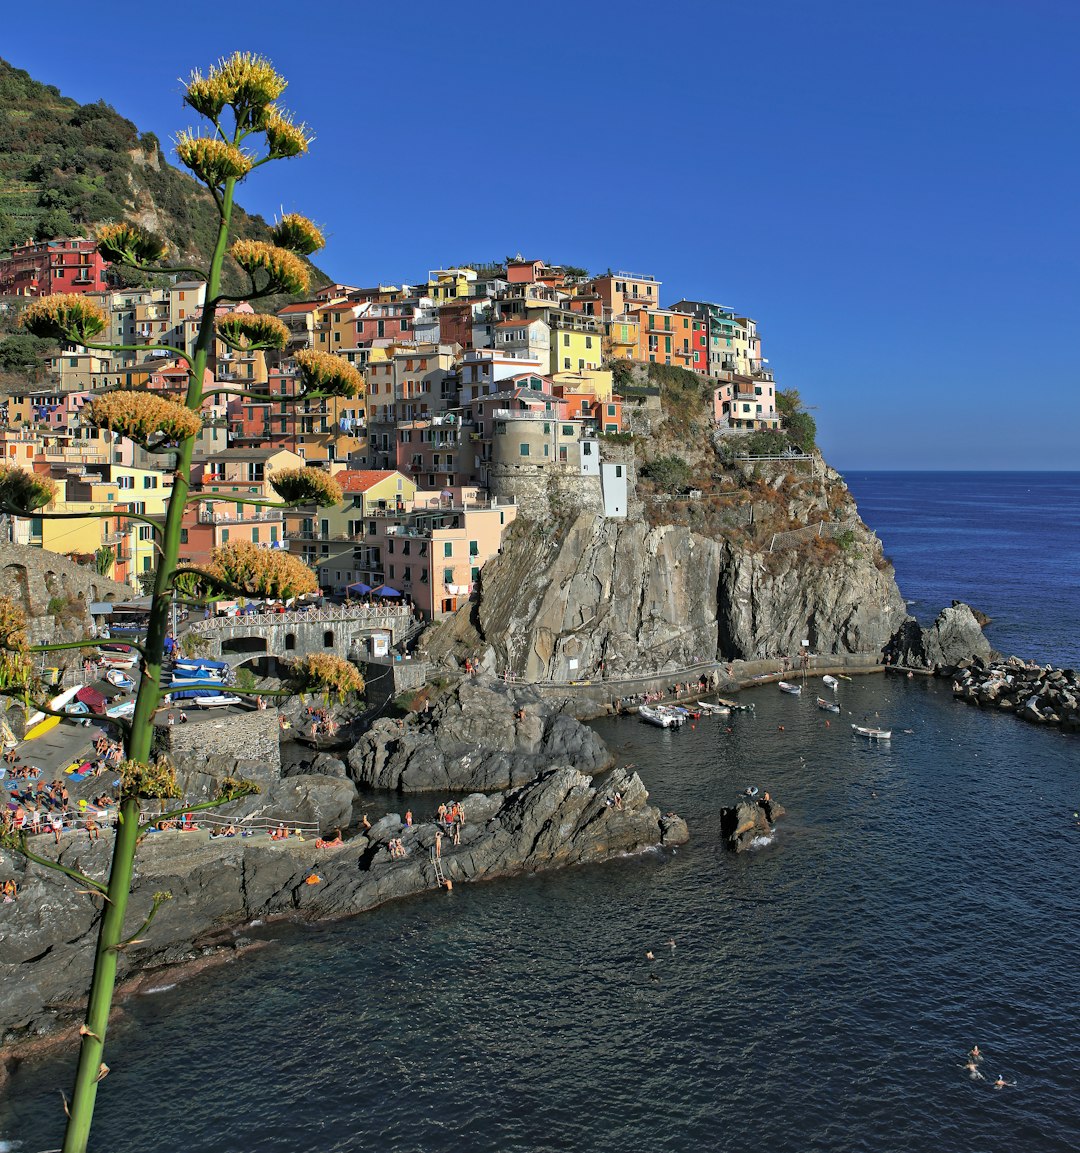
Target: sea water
column 821, row 992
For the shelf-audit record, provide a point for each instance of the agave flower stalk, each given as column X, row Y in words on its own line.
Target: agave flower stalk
column 238, row 97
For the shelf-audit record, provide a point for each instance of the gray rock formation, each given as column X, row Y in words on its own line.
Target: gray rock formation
column 558, row 818
column 482, row 735
column 628, row 599
column 954, row 639
column 748, row 820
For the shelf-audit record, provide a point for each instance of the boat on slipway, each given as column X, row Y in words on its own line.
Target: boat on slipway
column 788, row 687
column 217, row 700
column 660, row 716
column 827, row 706
column 871, row 733
column 118, row 680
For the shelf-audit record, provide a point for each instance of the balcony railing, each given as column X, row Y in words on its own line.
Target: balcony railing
column 524, row 414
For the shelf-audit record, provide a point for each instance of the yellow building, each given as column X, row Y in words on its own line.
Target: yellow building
column 445, row 284
column 597, row 382
column 577, row 344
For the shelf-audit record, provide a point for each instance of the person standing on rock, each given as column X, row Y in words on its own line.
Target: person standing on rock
column 408, row 818
column 438, row 844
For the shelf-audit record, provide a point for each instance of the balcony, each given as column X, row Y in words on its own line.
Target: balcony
column 255, row 516
column 524, row 414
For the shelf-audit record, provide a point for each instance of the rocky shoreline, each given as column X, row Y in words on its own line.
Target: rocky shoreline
column 1041, row 696
column 559, row 817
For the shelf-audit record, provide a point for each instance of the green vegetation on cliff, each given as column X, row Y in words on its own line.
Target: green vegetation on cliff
column 66, row 167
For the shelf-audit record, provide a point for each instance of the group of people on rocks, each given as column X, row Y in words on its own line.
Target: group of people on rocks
column 320, row 722
column 450, row 819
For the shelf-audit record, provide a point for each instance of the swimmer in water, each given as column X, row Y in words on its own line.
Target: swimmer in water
column 974, row 1054
column 973, row 1069
column 1000, row 1083
column 649, row 956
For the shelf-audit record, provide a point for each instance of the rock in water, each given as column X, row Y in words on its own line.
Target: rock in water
column 954, row 639
column 748, row 819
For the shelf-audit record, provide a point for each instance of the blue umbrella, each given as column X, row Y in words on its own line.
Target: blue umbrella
column 386, row 591
column 359, row 587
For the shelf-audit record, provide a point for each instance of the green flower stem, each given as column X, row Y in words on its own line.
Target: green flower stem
column 87, row 643
column 172, row 814
column 101, row 514
column 179, row 353
column 74, row 874
column 139, row 740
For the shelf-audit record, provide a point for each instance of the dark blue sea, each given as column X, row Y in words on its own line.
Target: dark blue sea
column 919, row 898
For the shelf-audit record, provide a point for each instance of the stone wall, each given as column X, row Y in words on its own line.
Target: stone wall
column 33, row 576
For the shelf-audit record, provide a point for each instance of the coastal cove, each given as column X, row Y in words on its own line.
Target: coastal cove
column 820, row 984
column 826, row 979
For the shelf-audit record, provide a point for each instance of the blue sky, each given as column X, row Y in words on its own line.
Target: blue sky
column 889, row 189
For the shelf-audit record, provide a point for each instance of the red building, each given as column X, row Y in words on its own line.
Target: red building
column 42, row 268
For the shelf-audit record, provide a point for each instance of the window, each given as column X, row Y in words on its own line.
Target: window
column 618, row 470
column 474, row 548
column 448, row 548
column 448, row 576
column 224, row 535
column 407, row 574
column 391, row 570
column 566, row 362
column 149, row 482
column 290, row 642
column 328, row 639
column 566, row 340
column 183, row 536
column 523, row 450
column 568, row 430
column 474, row 573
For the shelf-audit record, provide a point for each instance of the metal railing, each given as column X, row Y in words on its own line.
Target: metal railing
column 376, row 615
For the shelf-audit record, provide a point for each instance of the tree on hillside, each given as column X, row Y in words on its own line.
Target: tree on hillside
column 246, row 130
column 799, row 425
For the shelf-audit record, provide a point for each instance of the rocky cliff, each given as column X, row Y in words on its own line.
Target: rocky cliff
column 777, row 560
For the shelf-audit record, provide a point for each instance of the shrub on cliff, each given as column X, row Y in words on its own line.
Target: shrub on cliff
column 670, row 473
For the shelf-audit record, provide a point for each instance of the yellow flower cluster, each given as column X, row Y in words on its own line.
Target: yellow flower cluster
column 306, row 486
column 288, row 273
column 324, row 374
column 23, row 490
column 269, row 573
column 67, row 317
column 284, row 138
column 244, row 81
column 143, row 417
column 321, row 672
column 252, row 330
column 139, row 779
column 233, row 788
column 128, row 244
column 213, row 161
column 297, row 234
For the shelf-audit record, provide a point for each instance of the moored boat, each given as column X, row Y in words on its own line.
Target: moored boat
column 831, row 682
column 828, row 706
column 653, row 716
column 714, row 710
column 871, row 733
column 788, row 687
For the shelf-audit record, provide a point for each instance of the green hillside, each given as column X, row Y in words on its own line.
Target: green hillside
column 65, row 167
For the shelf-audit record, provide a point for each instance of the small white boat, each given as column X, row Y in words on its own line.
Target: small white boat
column 831, row 682
column 714, row 710
column 119, row 680
column 828, row 706
column 788, row 687
column 125, row 710
column 661, row 717
column 872, row 733
column 217, row 701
